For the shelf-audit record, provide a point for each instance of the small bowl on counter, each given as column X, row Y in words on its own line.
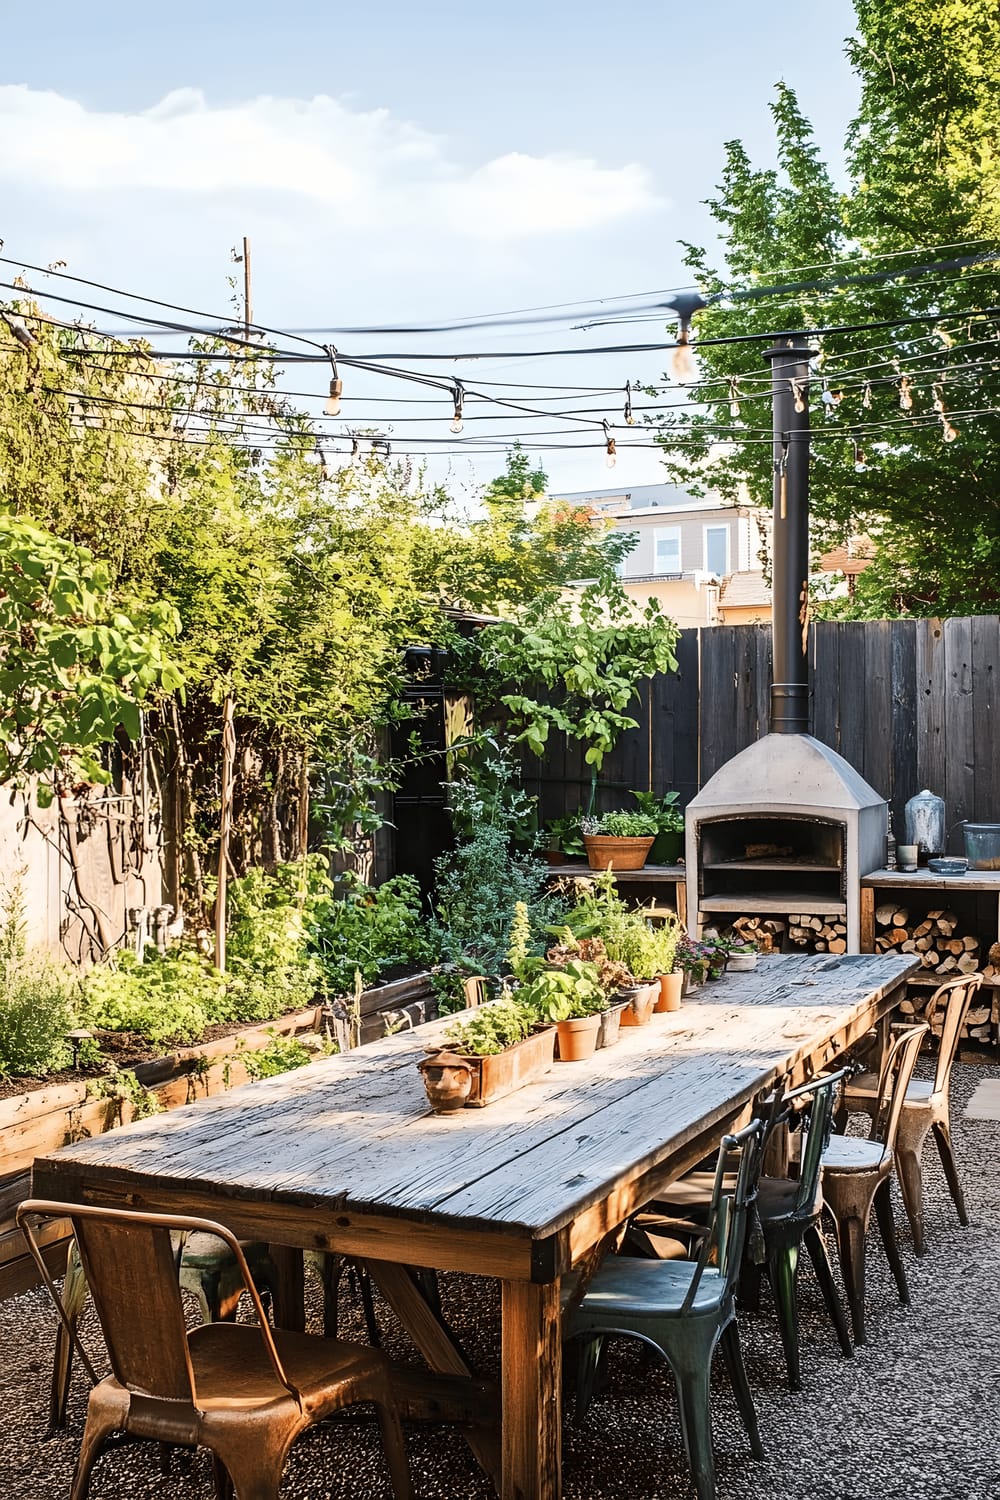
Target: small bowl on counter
column 947, row 865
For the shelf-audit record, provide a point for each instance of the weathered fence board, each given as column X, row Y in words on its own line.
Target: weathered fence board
column 910, row 703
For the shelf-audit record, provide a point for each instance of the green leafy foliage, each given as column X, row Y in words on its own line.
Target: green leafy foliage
column 623, row 825
column 564, row 993
column 371, row 930
column 74, row 667
column 281, row 1055
column 494, row 1026
column 121, row 1085
column 667, row 815
column 171, row 997
column 921, row 170
column 36, row 1002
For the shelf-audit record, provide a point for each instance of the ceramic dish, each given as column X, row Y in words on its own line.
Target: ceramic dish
column 944, row 866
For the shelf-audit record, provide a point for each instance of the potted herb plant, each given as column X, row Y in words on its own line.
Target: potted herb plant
column 666, row 936
column 572, row 999
column 611, row 976
column 503, row 1045
column 693, row 960
column 668, row 844
column 565, row 839
column 618, row 840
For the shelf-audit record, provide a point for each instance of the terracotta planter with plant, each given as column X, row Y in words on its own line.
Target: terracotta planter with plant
column 661, row 952
column 611, row 976
column 671, row 988
column 577, row 1037
column 502, row 1045
column 570, row 997
column 641, row 999
column 618, row 840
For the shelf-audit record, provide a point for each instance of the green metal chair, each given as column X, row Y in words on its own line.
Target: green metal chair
column 789, row 1213
column 682, row 1309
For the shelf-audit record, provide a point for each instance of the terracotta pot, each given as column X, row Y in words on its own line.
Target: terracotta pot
column 553, row 856
column 448, row 1081
column 669, row 997
column 578, row 1038
column 640, row 1006
column 611, row 1020
column 604, row 852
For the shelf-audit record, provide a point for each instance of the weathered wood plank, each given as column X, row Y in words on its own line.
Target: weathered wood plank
column 826, row 671
column 903, row 636
column 959, row 790
column 876, row 721
column 931, row 737
column 986, row 716
column 531, row 1392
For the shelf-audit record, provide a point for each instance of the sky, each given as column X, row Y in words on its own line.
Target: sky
column 401, row 163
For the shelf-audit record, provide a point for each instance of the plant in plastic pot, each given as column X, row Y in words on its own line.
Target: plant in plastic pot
column 668, row 845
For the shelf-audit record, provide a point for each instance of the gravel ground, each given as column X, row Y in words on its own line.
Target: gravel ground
column 913, row 1416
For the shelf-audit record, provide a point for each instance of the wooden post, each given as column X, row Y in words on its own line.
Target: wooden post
column 247, row 305
column 225, row 822
column 867, row 943
column 531, row 1391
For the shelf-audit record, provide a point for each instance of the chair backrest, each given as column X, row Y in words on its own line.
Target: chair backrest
column 729, row 1212
column 132, row 1270
column 894, row 1080
column 822, row 1094
column 956, row 997
column 475, row 989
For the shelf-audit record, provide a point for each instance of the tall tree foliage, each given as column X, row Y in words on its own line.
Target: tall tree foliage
column 297, row 585
column 898, row 454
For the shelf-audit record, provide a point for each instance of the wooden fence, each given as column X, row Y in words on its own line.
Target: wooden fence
column 910, row 703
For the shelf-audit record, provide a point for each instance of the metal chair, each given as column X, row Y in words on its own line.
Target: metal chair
column 857, row 1175
column 682, row 1309
column 926, row 1107
column 204, row 1267
column 243, row 1392
column 789, row 1212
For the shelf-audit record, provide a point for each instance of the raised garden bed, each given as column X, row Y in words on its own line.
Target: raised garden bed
column 51, row 1114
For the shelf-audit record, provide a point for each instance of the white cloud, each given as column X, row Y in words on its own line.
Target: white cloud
column 363, row 170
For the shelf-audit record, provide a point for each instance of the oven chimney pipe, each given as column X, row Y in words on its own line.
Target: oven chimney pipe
column 790, row 534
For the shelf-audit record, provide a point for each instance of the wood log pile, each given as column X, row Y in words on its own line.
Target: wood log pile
column 944, row 953
column 766, row 933
column 818, row 934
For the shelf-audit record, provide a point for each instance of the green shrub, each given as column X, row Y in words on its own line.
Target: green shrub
column 372, row 929
column 172, row 996
column 36, row 1002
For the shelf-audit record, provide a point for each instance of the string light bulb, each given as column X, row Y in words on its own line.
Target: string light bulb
column 685, row 305
column 866, row 398
column 860, row 462
column 948, row 432
column 458, row 396
column 628, row 404
column 734, row 396
column 610, row 446
column 332, row 406
column 905, row 394
column 799, row 395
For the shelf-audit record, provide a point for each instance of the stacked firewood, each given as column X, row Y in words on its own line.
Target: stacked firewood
column 766, row 933
column 944, row 953
column 820, row 934
column 941, row 948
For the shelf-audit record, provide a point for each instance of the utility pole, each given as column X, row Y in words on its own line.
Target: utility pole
column 247, row 304
column 790, row 358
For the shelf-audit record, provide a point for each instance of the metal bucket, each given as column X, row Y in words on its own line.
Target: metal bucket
column 982, row 845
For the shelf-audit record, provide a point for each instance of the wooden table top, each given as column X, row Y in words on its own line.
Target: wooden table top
column 352, row 1134
column 924, row 879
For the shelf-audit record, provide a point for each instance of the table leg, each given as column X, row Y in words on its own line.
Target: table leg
column 290, row 1302
column 432, row 1339
column 531, row 1384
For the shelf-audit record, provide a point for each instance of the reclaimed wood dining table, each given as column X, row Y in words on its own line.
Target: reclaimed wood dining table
column 345, row 1156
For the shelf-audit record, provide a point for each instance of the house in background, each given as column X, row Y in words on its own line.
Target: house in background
column 696, row 557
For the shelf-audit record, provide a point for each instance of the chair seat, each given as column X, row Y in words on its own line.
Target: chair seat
column 853, row 1153
column 864, row 1090
column 627, row 1288
column 232, row 1370
column 775, row 1198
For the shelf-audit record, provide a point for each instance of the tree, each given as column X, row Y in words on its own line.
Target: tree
column 905, row 439
column 74, row 669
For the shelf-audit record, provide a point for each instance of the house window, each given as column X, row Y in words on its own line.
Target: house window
column 667, row 549
column 717, row 550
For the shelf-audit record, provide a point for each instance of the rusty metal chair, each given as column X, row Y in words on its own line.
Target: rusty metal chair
column 204, row 1267
column 857, row 1175
column 682, row 1309
column 244, row 1392
column 926, row 1107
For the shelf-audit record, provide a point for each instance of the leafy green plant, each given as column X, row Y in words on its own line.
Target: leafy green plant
column 612, row 975
column 121, row 1085
column 370, row 930
column 494, row 1026
column 668, row 816
column 564, row 993
column 666, row 934
column 281, row 1055
column 173, row 996
column 36, row 1001
column 566, row 834
column 622, row 825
